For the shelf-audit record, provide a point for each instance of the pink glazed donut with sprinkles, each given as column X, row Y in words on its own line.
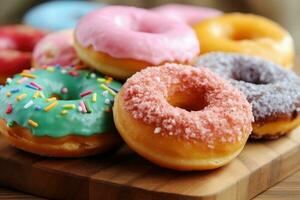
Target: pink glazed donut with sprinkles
column 120, row 40
column 56, row 49
column 183, row 118
column 188, row 14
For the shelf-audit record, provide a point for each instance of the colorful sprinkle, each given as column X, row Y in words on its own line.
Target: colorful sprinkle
column 63, row 71
column 101, row 80
column 105, row 93
column 28, row 104
column 157, row 130
column 50, row 69
column 22, row 80
column 108, row 89
column 109, row 80
column 31, row 87
column 69, row 106
column 36, row 85
column 28, row 75
column 73, row 73
column 64, row 112
column 8, row 94
column 79, row 108
column 88, row 107
column 83, row 94
column 15, row 90
column 82, row 105
column 64, row 90
column 8, row 80
column 107, row 101
column 94, row 97
column 93, row 75
column 9, row 109
column 36, row 95
column 51, row 106
column 37, row 108
column 33, row 123
column 51, row 99
column 21, row 96
column 41, row 94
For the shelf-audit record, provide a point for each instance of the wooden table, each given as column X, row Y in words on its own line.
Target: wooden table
column 288, row 189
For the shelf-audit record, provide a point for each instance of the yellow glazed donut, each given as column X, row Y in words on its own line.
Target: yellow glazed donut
column 249, row 34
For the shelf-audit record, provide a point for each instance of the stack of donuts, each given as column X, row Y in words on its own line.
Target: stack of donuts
column 183, row 86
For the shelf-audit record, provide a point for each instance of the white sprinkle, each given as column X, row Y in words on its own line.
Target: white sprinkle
column 157, row 130
column 107, row 101
column 105, row 93
column 93, row 75
column 28, row 104
column 8, row 80
column 63, row 71
column 79, row 108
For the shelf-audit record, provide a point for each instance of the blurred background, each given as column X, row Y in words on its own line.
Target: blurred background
column 287, row 12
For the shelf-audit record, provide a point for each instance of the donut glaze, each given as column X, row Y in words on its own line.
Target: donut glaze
column 247, row 34
column 189, row 14
column 59, row 15
column 273, row 92
column 162, row 108
column 56, row 48
column 139, row 34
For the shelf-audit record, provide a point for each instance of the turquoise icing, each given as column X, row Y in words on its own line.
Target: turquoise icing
column 54, row 123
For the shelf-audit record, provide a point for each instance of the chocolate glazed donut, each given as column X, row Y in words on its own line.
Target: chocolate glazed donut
column 273, row 91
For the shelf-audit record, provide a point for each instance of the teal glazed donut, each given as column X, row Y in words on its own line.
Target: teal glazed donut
column 58, row 15
column 58, row 102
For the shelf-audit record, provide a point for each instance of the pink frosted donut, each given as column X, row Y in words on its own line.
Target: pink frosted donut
column 56, row 48
column 189, row 14
column 114, row 38
column 183, row 118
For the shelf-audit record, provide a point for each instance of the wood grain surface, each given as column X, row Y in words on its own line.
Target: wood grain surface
column 124, row 175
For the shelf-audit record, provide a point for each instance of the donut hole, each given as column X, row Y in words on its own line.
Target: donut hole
column 188, row 101
column 250, row 75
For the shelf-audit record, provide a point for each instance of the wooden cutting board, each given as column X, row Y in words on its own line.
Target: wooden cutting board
column 122, row 174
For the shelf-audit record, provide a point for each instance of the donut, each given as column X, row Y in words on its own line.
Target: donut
column 120, row 40
column 188, row 14
column 56, row 48
column 16, row 44
column 59, row 112
column 59, row 15
column 182, row 118
column 246, row 34
column 274, row 92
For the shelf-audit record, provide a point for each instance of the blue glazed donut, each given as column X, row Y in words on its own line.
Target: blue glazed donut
column 58, row 15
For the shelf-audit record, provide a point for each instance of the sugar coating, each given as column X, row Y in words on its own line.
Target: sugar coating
column 225, row 119
column 270, row 89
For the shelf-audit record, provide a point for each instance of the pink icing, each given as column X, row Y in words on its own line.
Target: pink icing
column 136, row 33
column 189, row 14
column 56, row 48
column 226, row 119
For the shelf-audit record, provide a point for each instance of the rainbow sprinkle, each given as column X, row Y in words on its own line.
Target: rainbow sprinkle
column 28, row 104
column 50, row 69
column 28, row 75
column 83, row 94
column 36, row 85
column 73, row 73
column 33, row 123
column 64, row 90
column 9, row 109
column 51, row 106
column 37, row 108
column 36, row 95
column 69, row 106
column 31, row 87
column 8, row 81
column 22, row 80
column 51, row 99
column 41, row 94
column 87, row 106
column 82, row 105
column 8, row 94
column 15, row 90
column 94, row 97
column 108, row 89
column 21, row 96
column 64, row 112
column 101, row 80
column 109, row 80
